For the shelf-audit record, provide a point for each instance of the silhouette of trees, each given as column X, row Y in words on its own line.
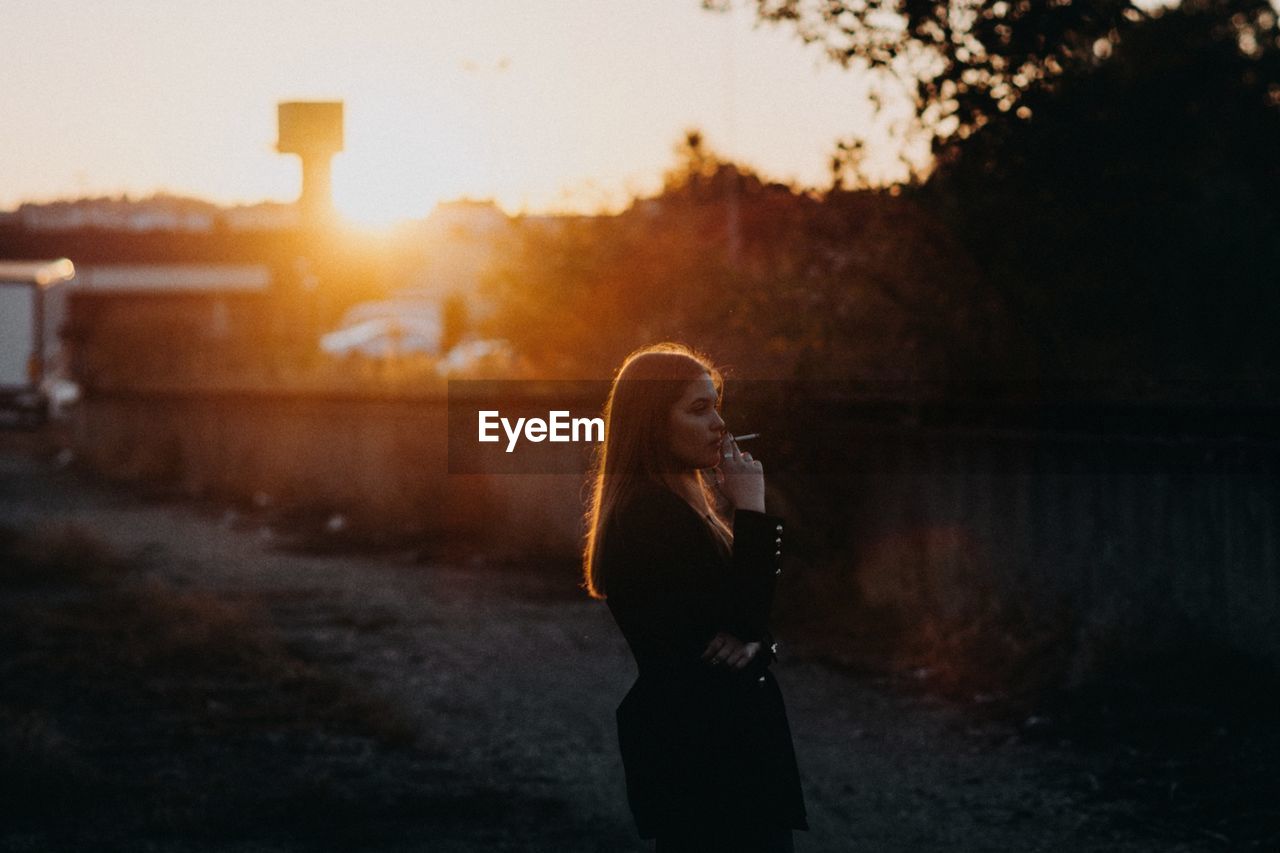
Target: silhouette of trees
column 1115, row 224
column 964, row 63
column 1131, row 225
column 774, row 281
column 961, row 61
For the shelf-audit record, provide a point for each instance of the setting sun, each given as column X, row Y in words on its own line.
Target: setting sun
column 372, row 193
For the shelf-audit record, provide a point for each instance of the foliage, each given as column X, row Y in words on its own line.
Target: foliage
column 963, row 63
column 775, row 282
column 1131, row 225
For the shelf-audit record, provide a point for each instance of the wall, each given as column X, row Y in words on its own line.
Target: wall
column 947, row 521
column 957, row 523
column 380, row 460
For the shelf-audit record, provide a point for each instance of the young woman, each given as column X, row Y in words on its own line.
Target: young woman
column 705, row 741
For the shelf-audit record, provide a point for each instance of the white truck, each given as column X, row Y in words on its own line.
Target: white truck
column 25, row 343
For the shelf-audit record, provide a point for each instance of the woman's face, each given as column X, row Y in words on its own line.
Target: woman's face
column 695, row 427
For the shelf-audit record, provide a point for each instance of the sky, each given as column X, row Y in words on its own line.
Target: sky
column 541, row 105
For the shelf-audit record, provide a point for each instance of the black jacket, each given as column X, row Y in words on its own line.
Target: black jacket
column 702, row 746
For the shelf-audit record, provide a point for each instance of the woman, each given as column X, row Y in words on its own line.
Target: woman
column 705, row 742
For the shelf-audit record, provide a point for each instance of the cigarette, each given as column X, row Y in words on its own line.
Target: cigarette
column 747, row 437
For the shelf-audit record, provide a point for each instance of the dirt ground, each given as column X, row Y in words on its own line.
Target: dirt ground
column 389, row 702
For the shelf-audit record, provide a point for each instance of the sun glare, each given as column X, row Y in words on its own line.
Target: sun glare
column 377, row 195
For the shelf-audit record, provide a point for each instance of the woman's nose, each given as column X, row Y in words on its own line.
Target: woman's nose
column 718, row 423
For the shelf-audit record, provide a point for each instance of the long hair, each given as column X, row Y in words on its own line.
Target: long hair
column 635, row 450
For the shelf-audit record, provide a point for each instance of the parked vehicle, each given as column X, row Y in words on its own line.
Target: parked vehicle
column 24, row 342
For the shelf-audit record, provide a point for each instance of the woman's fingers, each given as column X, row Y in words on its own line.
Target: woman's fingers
column 743, row 655
column 741, row 477
column 727, row 650
column 733, row 458
column 718, row 649
column 722, row 649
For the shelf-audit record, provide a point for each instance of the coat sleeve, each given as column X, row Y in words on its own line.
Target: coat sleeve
column 668, row 588
column 756, row 564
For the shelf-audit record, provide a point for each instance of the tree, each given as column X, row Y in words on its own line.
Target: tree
column 1120, row 202
column 856, row 285
column 959, row 62
column 1132, row 224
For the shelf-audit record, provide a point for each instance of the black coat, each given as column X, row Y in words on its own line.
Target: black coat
column 702, row 746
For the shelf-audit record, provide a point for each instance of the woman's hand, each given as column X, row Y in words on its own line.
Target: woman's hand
column 728, row 651
column 741, row 477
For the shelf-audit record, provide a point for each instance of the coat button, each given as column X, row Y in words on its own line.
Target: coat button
column 777, row 553
column 778, row 541
column 777, row 571
column 778, row 528
column 760, row 680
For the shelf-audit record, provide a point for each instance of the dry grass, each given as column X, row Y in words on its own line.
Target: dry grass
column 1182, row 725
column 134, row 708
column 54, row 555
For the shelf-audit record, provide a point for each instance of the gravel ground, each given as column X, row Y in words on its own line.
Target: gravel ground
column 507, row 681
